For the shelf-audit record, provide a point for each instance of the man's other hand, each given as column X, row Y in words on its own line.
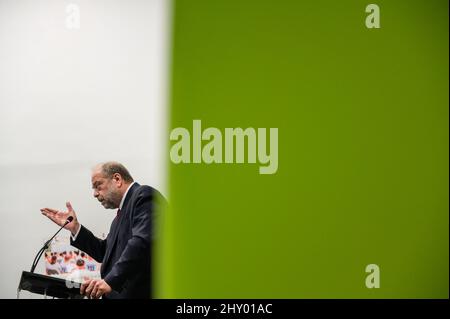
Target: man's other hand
column 95, row 288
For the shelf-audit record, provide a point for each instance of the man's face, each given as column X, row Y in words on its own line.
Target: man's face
column 105, row 190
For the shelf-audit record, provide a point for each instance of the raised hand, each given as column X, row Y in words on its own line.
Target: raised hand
column 60, row 217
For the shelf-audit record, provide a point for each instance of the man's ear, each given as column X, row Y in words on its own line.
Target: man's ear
column 117, row 178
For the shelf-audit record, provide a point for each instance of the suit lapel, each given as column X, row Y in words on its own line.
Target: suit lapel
column 111, row 240
column 116, row 225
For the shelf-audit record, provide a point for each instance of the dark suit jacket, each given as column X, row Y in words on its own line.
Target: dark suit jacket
column 125, row 254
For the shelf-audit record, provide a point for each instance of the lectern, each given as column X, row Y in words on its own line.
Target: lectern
column 47, row 286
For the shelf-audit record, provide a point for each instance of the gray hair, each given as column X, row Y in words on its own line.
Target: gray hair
column 108, row 169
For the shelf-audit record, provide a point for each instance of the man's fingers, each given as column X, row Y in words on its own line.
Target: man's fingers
column 94, row 291
column 89, row 288
column 99, row 293
column 48, row 214
column 69, row 207
column 93, row 288
column 52, row 216
column 84, row 285
column 49, row 210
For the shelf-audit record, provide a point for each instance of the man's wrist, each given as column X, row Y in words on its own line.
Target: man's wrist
column 75, row 230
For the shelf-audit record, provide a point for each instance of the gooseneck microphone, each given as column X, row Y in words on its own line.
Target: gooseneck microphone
column 47, row 243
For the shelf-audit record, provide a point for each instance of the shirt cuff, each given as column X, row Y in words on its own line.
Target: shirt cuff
column 74, row 237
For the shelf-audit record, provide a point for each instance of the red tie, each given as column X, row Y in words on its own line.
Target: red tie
column 118, row 212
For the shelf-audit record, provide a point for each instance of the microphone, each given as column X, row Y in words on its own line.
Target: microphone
column 69, row 219
column 47, row 243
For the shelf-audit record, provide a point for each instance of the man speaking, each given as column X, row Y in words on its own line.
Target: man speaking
column 125, row 254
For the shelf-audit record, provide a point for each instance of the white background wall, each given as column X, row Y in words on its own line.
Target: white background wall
column 70, row 98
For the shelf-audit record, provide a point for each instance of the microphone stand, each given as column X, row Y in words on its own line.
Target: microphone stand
column 47, row 243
